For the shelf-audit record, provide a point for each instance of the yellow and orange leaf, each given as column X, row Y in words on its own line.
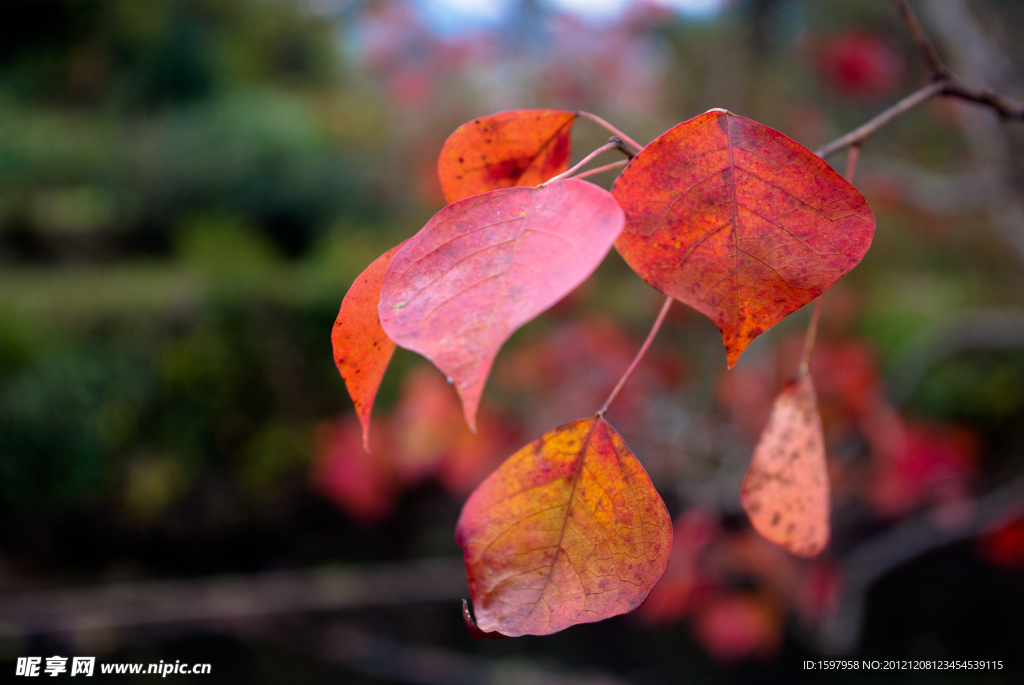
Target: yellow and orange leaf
column 361, row 348
column 740, row 222
column 568, row 530
column 522, row 147
column 786, row 490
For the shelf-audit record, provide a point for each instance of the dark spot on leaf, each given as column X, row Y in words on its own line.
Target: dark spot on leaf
column 723, row 123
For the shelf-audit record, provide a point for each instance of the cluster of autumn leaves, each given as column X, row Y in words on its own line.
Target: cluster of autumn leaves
column 722, row 213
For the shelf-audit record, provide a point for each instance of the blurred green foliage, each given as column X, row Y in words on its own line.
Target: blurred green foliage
column 123, row 118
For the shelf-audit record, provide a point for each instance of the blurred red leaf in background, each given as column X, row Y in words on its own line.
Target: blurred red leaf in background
column 915, row 463
column 1003, row 546
column 860, row 64
column 362, row 484
column 738, row 626
column 682, row 587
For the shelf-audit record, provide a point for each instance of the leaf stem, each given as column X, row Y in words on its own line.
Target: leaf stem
column 636, row 360
column 809, row 338
column 851, row 162
column 598, row 120
column 612, row 144
column 602, row 169
column 812, row 326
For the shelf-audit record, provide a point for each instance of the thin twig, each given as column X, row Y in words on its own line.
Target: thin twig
column 612, row 144
column 895, row 546
column 598, row 120
column 639, row 356
column 601, row 169
column 809, row 338
column 935, row 64
column 859, row 134
column 812, row 326
column 221, row 599
column 851, row 162
column 1006, row 107
column 943, row 83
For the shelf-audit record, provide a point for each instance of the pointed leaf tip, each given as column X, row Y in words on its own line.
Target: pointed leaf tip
column 484, row 266
column 786, row 489
column 568, row 530
column 740, row 222
column 522, row 147
column 361, row 348
column 474, row 630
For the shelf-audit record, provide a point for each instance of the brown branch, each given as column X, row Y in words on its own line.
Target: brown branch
column 1005, row 107
column 862, row 132
column 227, row 599
column 403, row 661
column 895, row 546
column 943, row 83
column 935, row 64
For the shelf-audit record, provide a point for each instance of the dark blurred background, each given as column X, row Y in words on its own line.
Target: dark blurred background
column 187, row 189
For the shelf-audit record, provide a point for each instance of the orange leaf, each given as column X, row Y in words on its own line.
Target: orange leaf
column 361, row 348
column 523, row 147
column 568, row 530
column 739, row 222
column 786, row 492
column 484, row 266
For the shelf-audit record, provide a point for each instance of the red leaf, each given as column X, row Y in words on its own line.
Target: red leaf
column 363, row 486
column 568, row 530
column 739, row 222
column 860, row 64
column 738, row 626
column 431, row 438
column 916, row 462
column 1004, row 545
column 523, row 147
column 484, row 266
column 361, row 348
column 786, row 491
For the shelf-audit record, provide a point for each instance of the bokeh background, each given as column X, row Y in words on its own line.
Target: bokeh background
column 187, row 189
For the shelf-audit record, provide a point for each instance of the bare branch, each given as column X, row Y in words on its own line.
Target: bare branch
column 234, row 598
column 931, row 56
column 1005, row 107
column 895, row 546
column 943, row 83
column 859, row 134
